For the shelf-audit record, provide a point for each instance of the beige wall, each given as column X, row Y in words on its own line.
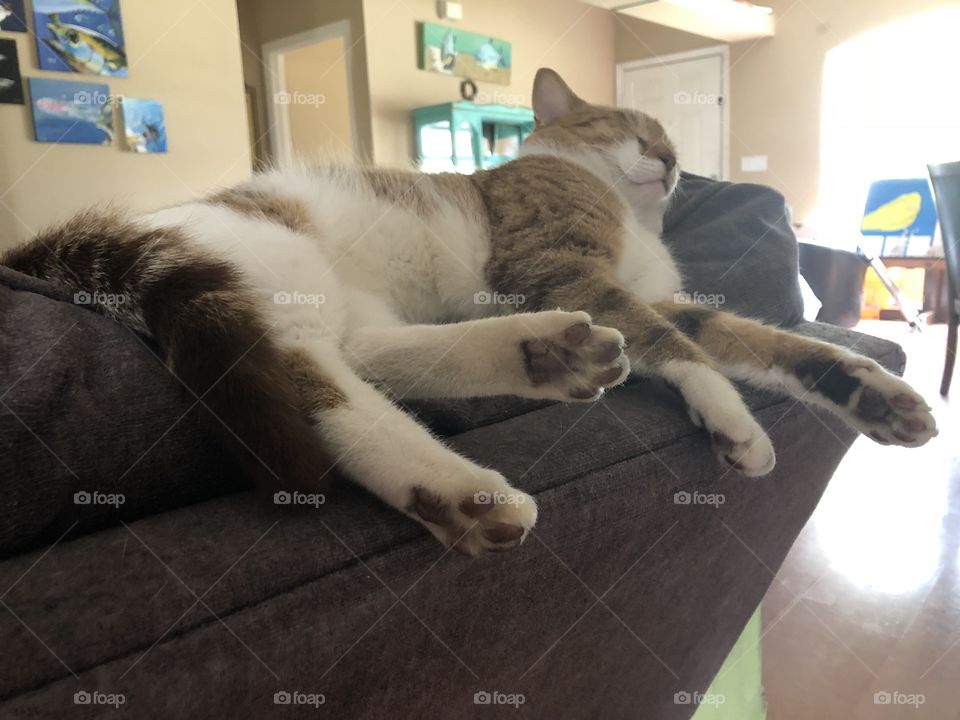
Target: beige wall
column 316, row 78
column 182, row 53
column 775, row 83
column 263, row 21
column 575, row 39
column 639, row 39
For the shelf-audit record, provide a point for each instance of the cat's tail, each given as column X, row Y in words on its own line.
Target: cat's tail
column 204, row 317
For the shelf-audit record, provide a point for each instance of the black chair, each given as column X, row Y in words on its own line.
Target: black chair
column 946, row 186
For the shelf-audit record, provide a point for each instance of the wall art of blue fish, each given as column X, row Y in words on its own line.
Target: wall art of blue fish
column 71, row 112
column 83, row 36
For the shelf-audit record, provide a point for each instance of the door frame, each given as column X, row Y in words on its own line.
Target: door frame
column 278, row 114
column 723, row 51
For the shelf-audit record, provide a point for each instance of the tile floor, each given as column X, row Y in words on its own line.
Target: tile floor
column 863, row 620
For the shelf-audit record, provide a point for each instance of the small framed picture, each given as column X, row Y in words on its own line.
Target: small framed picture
column 143, row 125
column 13, row 18
column 11, row 85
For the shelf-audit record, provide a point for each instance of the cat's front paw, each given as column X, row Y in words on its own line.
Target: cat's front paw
column 491, row 518
column 567, row 357
column 886, row 408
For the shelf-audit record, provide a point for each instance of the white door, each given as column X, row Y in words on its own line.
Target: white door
column 687, row 94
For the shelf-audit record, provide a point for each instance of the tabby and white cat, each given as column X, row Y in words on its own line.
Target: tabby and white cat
column 292, row 305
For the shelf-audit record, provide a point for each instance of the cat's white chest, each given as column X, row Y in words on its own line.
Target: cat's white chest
column 646, row 265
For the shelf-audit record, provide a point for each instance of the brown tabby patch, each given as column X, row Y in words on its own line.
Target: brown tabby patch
column 425, row 194
column 285, row 211
column 734, row 340
column 316, row 389
column 199, row 310
column 406, row 189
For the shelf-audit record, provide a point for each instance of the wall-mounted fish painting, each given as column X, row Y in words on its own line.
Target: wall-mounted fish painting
column 71, row 112
column 84, row 36
column 11, row 86
column 143, row 126
column 13, row 17
column 465, row 54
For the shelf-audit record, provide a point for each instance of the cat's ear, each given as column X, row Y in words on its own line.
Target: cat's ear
column 552, row 97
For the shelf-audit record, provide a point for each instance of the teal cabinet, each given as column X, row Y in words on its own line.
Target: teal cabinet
column 464, row 136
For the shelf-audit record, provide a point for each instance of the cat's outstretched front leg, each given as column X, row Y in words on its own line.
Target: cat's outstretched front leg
column 469, row 508
column 874, row 401
column 553, row 355
column 656, row 347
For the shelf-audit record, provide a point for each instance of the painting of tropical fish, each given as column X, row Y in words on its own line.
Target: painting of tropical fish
column 71, row 112
column 12, row 16
column 143, row 125
column 83, row 36
column 11, row 86
column 452, row 51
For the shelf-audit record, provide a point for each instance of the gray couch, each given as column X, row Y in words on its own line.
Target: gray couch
column 196, row 598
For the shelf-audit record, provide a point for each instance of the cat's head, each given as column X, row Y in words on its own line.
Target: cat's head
column 632, row 148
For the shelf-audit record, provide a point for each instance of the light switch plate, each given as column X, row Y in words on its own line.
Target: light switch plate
column 753, row 163
column 449, row 10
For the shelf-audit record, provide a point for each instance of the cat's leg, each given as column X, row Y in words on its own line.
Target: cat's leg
column 656, row 347
column 553, row 354
column 874, row 401
column 468, row 507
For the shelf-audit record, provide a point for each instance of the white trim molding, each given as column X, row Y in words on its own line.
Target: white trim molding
column 278, row 113
column 723, row 51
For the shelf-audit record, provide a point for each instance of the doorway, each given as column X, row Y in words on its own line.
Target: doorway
column 309, row 95
column 687, row 93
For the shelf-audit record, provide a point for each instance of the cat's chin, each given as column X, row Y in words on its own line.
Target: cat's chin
column 650, row 190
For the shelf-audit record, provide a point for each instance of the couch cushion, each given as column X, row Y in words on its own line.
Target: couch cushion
column 103, row 593
column 734, row 241
column 231, row 600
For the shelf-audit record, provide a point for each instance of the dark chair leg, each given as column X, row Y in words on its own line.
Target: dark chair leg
column 951, row 352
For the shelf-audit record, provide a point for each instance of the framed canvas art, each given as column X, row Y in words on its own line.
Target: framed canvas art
column 71, row 112
column 13, row 17
column 11, row 85
column 83, row 36
column 452, row 51
column 143, row 125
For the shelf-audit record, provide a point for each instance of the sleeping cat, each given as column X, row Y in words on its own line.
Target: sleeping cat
column 295, row 305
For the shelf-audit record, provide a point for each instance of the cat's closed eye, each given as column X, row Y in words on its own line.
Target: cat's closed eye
column 643, row 144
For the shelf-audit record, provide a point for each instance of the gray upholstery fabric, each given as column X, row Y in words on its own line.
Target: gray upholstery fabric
column 86, row 407
column 298, row 590
column 735, row 240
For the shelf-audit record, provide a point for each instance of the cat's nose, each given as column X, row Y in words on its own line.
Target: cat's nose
column 668, row 159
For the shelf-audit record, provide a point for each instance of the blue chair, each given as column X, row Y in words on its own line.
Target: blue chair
column 901, row 209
